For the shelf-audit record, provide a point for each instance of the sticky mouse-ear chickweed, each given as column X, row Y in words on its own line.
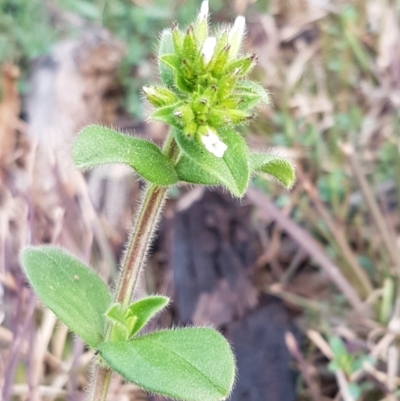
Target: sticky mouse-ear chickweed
column 205, row 95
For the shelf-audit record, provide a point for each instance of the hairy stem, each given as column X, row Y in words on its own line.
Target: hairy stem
column 100, row 383
column 138, row 245
column 133, row 261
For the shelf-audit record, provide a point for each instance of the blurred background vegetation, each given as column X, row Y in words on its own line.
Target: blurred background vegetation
column 333, row 70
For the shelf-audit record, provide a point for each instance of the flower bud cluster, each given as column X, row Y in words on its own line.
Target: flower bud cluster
column 208, row 89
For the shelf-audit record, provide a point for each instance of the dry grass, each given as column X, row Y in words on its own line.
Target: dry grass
column 333, row 70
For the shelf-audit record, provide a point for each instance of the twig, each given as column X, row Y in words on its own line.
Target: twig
column 307, row 371
column 309, row 245
column 378, row 218
column 339, row 236
column 343, row 386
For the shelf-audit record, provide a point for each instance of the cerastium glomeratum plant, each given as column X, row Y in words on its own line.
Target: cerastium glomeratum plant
column 203, row 95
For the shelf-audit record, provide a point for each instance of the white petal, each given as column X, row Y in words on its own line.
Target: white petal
column 213, row 144
column 208, row 48
column 148, row 90
column 213, row 138
column 203, row 14
column 236, row 34
column 238, row 28
column 208, row 141
column 222, row 147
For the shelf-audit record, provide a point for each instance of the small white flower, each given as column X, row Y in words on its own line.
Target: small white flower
column 238, row 28
column 148, row 90
column 213, row 144
column 207, row 51
column 203, row 14
column 236, row 35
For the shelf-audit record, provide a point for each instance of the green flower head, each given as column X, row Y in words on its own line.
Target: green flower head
column 204, row 81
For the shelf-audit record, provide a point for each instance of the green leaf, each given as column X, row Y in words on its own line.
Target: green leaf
column 248, row 101
column 122, row 324
column 77, row 296
column 115, row 313
column 232, row 170
column 355, row 391
column 255, row 89
column 166, row 47
column 171, row 61
column 145, row 309
column 97, row 145
column 338, row 348
column 189, row 171
column 276, row 166
column 192, row 364
column 333, row 366
column 166, row 115
column 128, row 321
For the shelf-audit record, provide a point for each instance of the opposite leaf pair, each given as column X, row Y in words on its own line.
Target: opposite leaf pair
column 98, row 145
column 192, row 364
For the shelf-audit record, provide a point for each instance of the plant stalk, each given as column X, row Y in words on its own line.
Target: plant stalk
column 133, row 261
column 139, row 243
column 101, row 381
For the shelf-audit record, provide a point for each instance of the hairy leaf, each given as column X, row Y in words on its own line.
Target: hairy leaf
column 98, row 145
column 276, row 166
column 232, row 170
column 192, row 364
column 145, row 309
column 189, row 171
column 77, row 296
column 255, row 89
column 166, row 47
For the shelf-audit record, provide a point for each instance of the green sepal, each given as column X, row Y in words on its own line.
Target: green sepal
column 167, row 115
column 75, row 293
column 172, row 61
column 201, row 29
column 181, row 82
column 278, row 167
column 222, row 42
column 243, row 65
column 191, row 364
column 231, row 171
column 221, row 116
column 177, row 39
column 190, row 50
column 159, row 96
column 166, row 47
column 219, row 61
column 226, row 85
column 98, row 145
column 180, row 69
